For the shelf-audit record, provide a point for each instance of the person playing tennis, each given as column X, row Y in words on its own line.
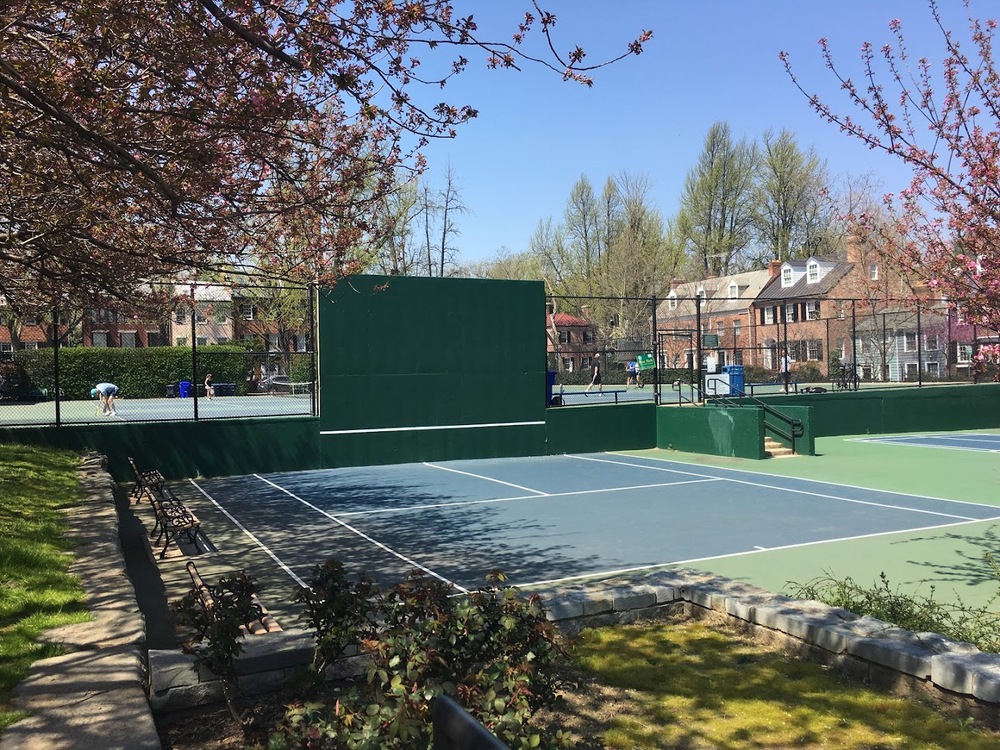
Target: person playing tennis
column 106, row 392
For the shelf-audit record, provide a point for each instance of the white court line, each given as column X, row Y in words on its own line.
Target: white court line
column 481, row 476
column 461, row 503
column 801, row 492
column 255, row 540
column 365, row 536
column 800, row 479
column 755, row 551
column 924, row 441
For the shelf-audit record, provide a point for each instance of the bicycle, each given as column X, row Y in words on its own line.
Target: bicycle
column 847, row 379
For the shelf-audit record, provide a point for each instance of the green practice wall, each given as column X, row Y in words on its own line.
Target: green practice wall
column 715, row 431
column 425, row 368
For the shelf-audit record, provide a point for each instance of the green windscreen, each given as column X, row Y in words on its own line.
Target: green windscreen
column 424, row 355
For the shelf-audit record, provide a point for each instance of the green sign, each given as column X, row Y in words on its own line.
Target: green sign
column 645, row 362
column 710, row 340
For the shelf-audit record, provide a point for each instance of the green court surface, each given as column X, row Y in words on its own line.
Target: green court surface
column 947, row 562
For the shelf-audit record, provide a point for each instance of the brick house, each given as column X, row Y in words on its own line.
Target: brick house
column 813, row 305
column 570, row 341
column 725, row 312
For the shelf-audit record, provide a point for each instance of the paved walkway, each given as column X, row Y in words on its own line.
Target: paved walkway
column 91, row 698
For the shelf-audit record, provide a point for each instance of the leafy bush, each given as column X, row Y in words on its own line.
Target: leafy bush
column 493, row 650
column 138, row 372
column 917, row 613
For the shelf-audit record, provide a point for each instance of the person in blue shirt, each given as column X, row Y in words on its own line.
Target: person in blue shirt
column 106, row 392
column 631, row 373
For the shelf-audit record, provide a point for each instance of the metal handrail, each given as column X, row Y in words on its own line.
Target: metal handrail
column 794, row 430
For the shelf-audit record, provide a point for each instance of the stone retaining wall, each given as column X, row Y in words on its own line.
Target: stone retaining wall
column 956, row 675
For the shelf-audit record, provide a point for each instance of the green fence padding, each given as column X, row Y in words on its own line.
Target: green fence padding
column 591, row 429
column 878, row 411
column 189, row 449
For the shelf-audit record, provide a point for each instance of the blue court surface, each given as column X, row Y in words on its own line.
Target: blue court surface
column 544, row 520
column 951, row 440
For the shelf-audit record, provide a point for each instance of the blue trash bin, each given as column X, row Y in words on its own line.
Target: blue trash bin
column 185, row 388
column 550, row 381
column 736, row 379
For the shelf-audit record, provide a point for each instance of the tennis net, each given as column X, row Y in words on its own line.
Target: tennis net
column 286, row 388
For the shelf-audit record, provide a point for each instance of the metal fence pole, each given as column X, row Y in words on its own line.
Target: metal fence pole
column 55, row 362
column 456, row 729
column 920, row 351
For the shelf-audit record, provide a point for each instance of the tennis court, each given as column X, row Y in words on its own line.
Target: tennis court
column 953, row 441
column 551, row 520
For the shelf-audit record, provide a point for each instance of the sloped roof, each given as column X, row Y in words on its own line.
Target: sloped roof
column 802, row 289
column 717, row 299
column 563, row 320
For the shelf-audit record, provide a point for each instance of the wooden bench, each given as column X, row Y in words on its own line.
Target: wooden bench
column 146, row 481
column 260, row 621
column 173, row 520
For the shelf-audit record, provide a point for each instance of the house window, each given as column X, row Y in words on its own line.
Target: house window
column 909, row 342
column 812, row 273
column 738, row 357
column 202, row 341
column 736, row 330
column 786, row 276
column 201, row 317
column 672, row 300
column 564, row 337
column 222, row 340
column 30, row 320
column 248, row 311
column 99, row 338
column 768, row 315
column 153, row 338
column 933, row 342
column 129, row 339
column 734, row 290
column 933, row 370
column 588, row 336
column 964, row 352
column 221, row 314
column 812, row 310
column 720, row 329
column 911, row 370
column 814, row 350
column 873, row 272
column 31, row 345
column 567, row 364
column 249, row 337
column 841, row 314
column 790, row 313
column 181, row 341
column 6, row 350
column 180, row 316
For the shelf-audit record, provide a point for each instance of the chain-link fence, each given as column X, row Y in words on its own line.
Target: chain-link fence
column 832, row 343
column 203, row 351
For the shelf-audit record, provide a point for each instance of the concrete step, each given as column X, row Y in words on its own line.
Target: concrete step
column 774, row 449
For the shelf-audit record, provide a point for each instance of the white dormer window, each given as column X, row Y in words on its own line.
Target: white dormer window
column 672, row 300
column 734, row 290
column 700, row 292
column 786, row 276
column 812, row 272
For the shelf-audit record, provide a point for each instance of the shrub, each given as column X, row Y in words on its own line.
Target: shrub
column 493, row 650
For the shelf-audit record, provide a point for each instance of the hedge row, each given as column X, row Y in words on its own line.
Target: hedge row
column 144, row 372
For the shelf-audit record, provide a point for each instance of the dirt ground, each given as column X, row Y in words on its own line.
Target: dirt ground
column 583, row 710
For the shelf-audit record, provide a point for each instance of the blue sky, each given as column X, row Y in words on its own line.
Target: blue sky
column 709, row 60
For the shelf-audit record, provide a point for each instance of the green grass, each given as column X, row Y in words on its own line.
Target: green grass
column 690, row 685
column 36, row 592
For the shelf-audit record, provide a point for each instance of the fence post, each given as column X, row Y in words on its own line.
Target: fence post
column 456, row 729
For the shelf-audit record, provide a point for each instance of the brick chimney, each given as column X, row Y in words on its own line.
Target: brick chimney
column 853, row 249
column 774, row 268
column 674, row 283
